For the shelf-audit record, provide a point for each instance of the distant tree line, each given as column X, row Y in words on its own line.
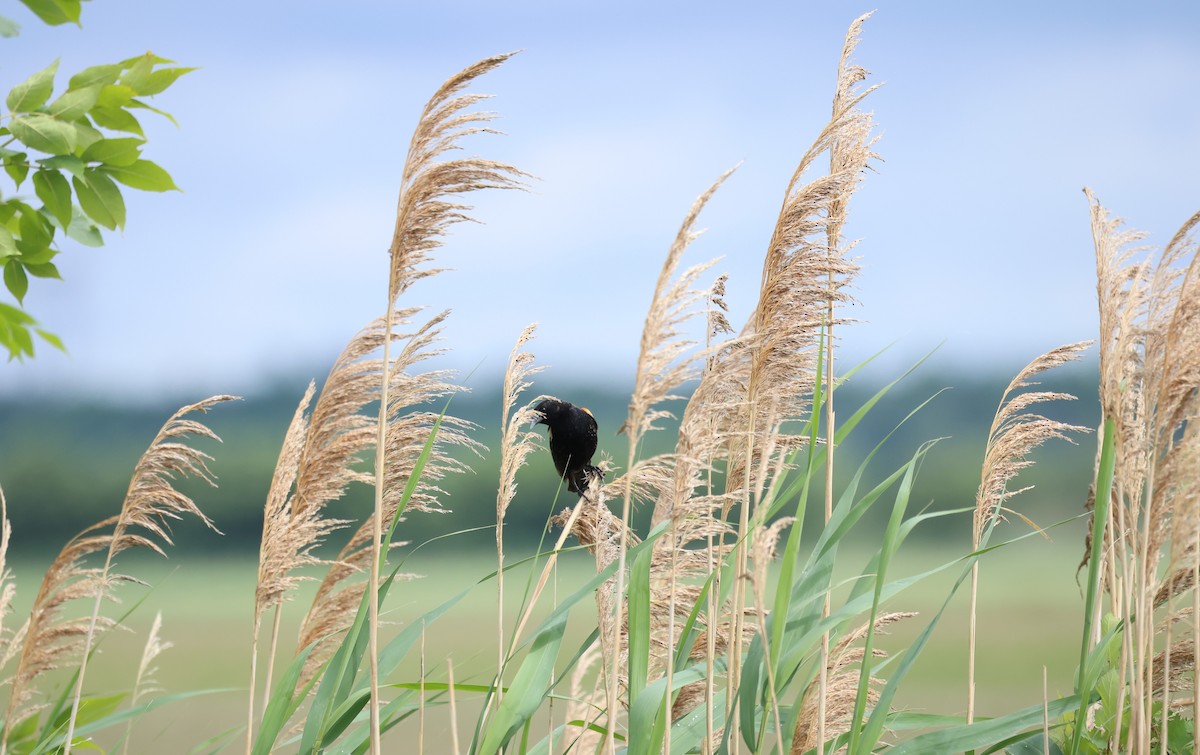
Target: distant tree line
column 65, row 465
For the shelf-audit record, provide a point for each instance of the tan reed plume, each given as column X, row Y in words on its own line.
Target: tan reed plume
column 424, row 212
column 320, row 458
column 844, row 665
column 291, row 530
column 667, row 360
column 145, row 683
column 1014, row 434
column 517, row 441
column 767, row 375
column 1149, row 366
column 151, row 501
column 339, row 594
column 805, row 269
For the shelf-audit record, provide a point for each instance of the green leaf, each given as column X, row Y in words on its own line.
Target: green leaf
column 15, row 316
column 74, row 103
column 84, row 230
column 102, row 75
column 15, row 279
column 44, row 132
column 85, row 134
column 8, row 27
column 23, row 342
column 51, row 339
column 142, row 174
column 115, row 96
column 27, row 727
column 36, row 234
column 33, row 92
column 100, row 199
column 152, row 109
column 55, row 12
column 43, row 270
column 138, row 74
column 69, row 163
column 117, row 119
column 55, row 742
column 122, row 152
column 154, row 60
column 33, row 257
column 8, row 245
column 54, row 191
column 159, row 80
column 637, row 598
column 16, row 165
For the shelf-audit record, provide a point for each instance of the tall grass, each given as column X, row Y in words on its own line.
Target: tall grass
column 720, row 628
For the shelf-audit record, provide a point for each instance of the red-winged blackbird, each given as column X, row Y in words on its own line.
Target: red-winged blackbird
column 572, row 441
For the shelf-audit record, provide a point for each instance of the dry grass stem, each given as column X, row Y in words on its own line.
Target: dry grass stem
column 453, row 706
column 8, row 589
column 516, row 443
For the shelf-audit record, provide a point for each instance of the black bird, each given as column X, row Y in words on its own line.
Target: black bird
column 572, row 441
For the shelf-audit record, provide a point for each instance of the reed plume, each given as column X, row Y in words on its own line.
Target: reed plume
column 767, row 375
column 49, row 639
column 426, row 208
column 1014, row 434
column 516, row 443
column 338, row 594
column 144, row 683
column 1149, row 367
column 667, row 361
column 292, row 528
column 805, row 271
column 845, row 663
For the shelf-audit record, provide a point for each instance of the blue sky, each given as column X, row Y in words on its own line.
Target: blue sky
column 292, row 134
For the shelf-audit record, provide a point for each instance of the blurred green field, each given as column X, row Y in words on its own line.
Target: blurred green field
column 1030, row 610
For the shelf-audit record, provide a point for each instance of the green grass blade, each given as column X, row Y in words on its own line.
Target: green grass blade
column 533, row 680
column 984, row 733
column 100, row 724
column 337, row 681
column 891, row 543
column 528, row 688
column 282, row 704
column 644, row 713
column 638, row 598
